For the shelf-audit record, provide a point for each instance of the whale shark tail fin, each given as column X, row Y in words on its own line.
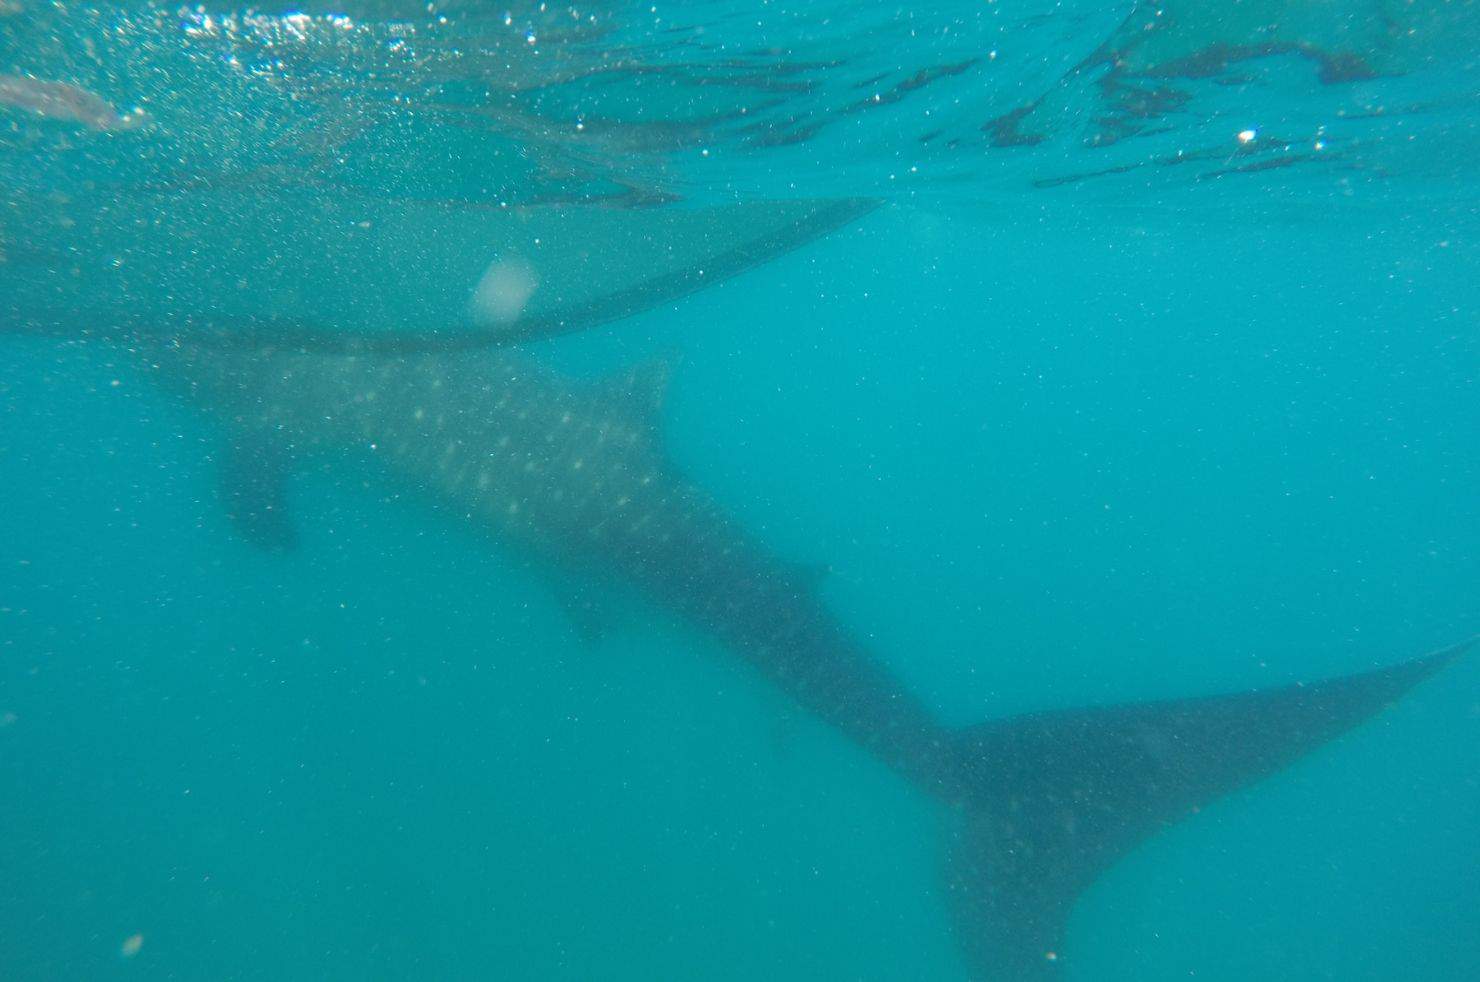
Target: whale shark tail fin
column 1052, row 800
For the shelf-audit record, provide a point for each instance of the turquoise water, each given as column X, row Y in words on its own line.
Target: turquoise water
column 1059, row 440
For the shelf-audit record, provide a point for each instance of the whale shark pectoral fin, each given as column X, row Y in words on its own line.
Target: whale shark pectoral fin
column 252, row 485
column 807, row 576
column 1052, row 800
column 593, row 612
column 589, row 617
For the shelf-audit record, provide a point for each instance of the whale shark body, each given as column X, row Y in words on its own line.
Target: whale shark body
column 574, row 473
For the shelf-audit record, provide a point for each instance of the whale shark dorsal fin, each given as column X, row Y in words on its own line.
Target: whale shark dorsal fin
column 252, row 481
column 642, row 389
column 1062, row 796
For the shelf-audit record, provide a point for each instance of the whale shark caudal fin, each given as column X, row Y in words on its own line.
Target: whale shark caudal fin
column 1054, row 799
column 325, row 281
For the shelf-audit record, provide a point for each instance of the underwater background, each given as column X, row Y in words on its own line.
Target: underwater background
column 1141, row 364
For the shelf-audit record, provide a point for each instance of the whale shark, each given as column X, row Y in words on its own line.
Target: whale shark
column 575, row 474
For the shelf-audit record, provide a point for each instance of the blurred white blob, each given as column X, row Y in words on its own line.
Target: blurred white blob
column 505, row 288
column 131, row 945
column 66, row 103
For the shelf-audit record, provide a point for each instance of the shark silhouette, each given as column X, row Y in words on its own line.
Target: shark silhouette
column 575, row 474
